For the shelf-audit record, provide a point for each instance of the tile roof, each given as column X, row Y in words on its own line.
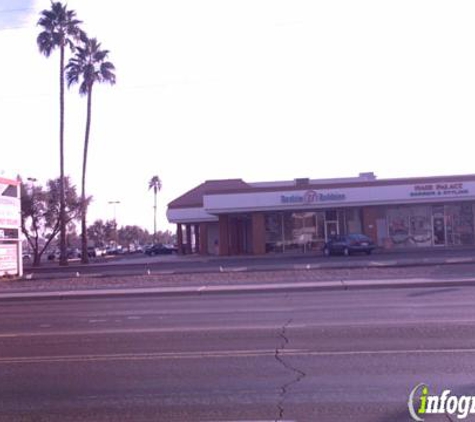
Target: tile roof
column 194, row 197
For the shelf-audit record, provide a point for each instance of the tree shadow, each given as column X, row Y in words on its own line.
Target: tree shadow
column 433, row 292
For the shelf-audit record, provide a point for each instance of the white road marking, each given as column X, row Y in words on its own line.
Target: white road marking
column 304, row 266
column 271, row 326
column 138, row 356
column 104, row 331
column 382, row 264
column 232, row 269
column 458, row 260
column 93, row 321
column 219, row 354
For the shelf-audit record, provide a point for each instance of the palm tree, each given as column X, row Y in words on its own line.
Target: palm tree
column 88, row 66
column 156, row 184
column 60, row 29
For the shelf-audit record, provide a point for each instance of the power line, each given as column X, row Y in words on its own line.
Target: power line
column 16, row 10
column 15, row 28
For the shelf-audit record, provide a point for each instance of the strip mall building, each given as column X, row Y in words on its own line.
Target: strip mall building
column 232, row 217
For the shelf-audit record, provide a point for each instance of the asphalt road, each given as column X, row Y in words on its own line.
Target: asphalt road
column 320, row 356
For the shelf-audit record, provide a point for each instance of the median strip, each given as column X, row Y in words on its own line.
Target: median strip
column 271, row 287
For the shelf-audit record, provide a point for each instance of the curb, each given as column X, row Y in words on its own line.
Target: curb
column 239, row 289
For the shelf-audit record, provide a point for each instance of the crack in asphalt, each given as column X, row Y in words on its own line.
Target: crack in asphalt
column 299, row 375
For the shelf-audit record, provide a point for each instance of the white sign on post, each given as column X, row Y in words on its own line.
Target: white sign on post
column 8, row 259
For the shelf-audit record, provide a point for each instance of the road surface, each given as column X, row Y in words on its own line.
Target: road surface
column 319, row 356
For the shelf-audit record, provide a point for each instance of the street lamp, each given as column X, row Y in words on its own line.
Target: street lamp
column 115, row 203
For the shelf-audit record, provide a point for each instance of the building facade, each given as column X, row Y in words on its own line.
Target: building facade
column 232, row 217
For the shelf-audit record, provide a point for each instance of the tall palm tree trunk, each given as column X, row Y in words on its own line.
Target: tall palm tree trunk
column 84, row 254
column 155, row 214
column 62, row 197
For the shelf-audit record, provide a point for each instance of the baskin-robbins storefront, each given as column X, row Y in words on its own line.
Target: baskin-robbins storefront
column 232, row 217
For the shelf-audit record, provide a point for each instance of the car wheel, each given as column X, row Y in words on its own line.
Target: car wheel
column 346, row 252
column 368, row 252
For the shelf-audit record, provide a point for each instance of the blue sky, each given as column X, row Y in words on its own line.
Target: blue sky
column 14, row 13
column 261, row 90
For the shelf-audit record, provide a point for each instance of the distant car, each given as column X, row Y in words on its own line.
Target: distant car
column 100, row 251
column 93, row 252
column 159, row 249
column 73, row 253
column 112, row 250
column 54, row 255
column 349, row 244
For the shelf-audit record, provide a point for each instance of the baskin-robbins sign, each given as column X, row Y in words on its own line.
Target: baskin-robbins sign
column 311, row 197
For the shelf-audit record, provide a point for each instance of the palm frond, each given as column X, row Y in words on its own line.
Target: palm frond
column 88, row 65
column 155, row 183
column 61, row 25
column 45, row 43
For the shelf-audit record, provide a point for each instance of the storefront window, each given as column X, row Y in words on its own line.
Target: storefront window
column 301, row 231
column 304, row 230
column 274, row 232
column 459, row 224
column 410, row 226
column 431, row 225
column 398, row 225
column 330, row 215
column 353, row 221
column 420, row 229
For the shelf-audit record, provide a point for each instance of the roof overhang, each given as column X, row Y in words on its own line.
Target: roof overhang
column 189, row 215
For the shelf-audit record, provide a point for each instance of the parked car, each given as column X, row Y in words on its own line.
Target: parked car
column 113, row 250
column 73, row 253
column 348, row 244
column 138, row 249
column 100, row 251
column 52, row 255
column 92, row 252
column 159, row 249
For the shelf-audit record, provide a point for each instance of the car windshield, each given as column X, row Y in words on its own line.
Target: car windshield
column 360, row 237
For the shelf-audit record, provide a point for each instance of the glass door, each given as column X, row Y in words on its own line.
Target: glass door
column 331, row 229
column 438, row 226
